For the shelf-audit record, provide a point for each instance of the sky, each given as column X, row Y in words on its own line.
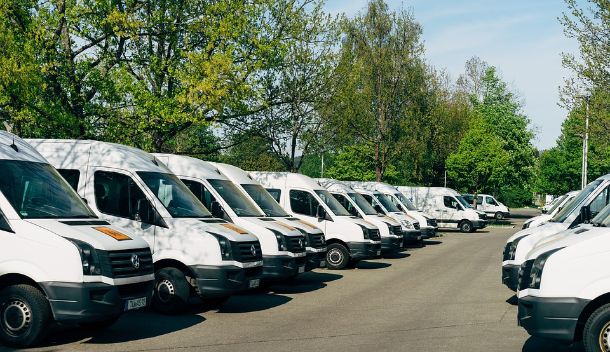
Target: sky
column 523, row 39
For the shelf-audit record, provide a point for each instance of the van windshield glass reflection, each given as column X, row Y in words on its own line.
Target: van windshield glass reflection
column 174, row 195
column 37, row 191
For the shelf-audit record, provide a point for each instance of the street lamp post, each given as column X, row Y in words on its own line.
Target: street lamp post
column 585, row 146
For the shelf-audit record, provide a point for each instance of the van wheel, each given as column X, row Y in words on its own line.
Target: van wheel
column 499, row 216
column 172, row 291
column 337, row 257
column 596, row 334
column 466, row 226
column 24, row 316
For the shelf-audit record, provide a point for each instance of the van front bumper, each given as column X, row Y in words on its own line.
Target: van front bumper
column 391, row 244
column 282, row 267
column 315, row 260
column 222, row 281
column 550, row 318
column 87, row 302
column 411, row 237
column 364, row 250
column 510, row 276
column 428, row 232
column 479, row 224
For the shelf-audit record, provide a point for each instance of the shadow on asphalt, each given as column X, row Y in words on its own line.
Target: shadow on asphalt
column 399, row 255
column 253, row 303
column 132, row 326
column 432, row 243
column 303, row 283
column 513, row 300
column 535, row 344
column 372, row 265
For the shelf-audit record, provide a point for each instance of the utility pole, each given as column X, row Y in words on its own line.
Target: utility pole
column 445, row 178
column 585, row 146
column 322, row 166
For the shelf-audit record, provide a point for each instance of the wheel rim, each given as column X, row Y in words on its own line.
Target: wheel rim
column 604, row 338
column 165, row 290
column 499, row 216
column 16, row 317
column 335, row 256
column 466, row 227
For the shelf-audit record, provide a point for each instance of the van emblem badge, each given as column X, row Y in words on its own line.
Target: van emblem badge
column 135, row 261
column 253, row 250
column 300, row 242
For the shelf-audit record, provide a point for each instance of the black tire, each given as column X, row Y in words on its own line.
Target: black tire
column 466, row 226
column 100, row 325
column 25, row 316
column 499, row 216
column 597, row 330
column 172, row 291
column 337, row 257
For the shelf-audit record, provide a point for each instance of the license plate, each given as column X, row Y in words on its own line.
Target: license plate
column 135, row 303
column 255, row 283
column 378, row 252
column 301, row 269
column 323, row 264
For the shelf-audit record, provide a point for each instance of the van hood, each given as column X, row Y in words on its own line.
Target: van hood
column 301, row 224
column 362, row 222
column 273, row 224
column 567, row 238
column 549, row 227
column 210, row 225
column 98, row 233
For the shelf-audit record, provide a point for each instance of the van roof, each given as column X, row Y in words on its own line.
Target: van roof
column 430, row 190
column 182, row 165
column 281, row 179
column 73, row 153
column 24, row 152
column 335, row 185
column 235, row 174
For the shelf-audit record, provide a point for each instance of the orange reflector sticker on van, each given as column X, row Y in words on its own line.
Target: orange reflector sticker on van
column 113, row 233
column 237, row 229
column 290, row 228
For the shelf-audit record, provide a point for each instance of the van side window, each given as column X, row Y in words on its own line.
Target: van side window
column 346, row 203
column 304, row 203
column 599, row 202
column 200, row 192
column 490, row 201
column 71, row 176
column 118, row 195
column 275, row 193
column 479, row 200
column 368, row 198
column 450, row 202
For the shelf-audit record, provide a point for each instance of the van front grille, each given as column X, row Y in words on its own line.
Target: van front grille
column 249, row 251
column 126, row 263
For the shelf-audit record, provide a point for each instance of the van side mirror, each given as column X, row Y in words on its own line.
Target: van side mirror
column 143, row 211
column 378, row 209
column 216, row 209
column 85, row 200
column 321, row 213
column 401, row 208
column 585, row 214
column 354, row 211
column 4, row 225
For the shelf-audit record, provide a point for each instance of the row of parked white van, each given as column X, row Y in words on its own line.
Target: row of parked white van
column 558, row 265
column 89, row 230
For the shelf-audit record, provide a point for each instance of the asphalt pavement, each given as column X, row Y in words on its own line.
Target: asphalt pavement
column 444, row 297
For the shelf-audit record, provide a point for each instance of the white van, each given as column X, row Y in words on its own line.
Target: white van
column 194, row 254
column 383, row 205
column 427, row 225
column 315, row 241
column 349, row 239
column 489, row 205
column 389, row 229
column 58, row 261
column 587, row 204
column 544, row 218
column 283, row 246
column 564, row 286
column 447, row 206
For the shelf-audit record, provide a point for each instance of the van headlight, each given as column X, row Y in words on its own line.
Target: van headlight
column 281, row 240
column 406, row 224
column 225, row 246
column 513, row 248
column 538, row 267
column 90, row 259
column 365, row 232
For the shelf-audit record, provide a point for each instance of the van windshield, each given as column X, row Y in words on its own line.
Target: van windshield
column 463, row 202
column 332, row 203
column 242, row 206
column 557, row 203
column 404, row 200
column 174, row 195
column 361, row 202
column 569, row 208
column 37, row 191
column 386, row 203
column 264, row 200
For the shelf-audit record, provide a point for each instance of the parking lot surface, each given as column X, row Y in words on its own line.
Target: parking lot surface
column 444, row 297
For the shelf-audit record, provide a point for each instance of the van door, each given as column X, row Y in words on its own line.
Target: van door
column 491, row 205
column 121, row 201
column 450, row 212
column 304, row 205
